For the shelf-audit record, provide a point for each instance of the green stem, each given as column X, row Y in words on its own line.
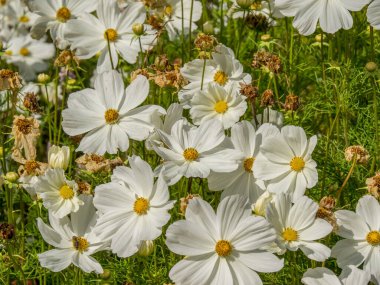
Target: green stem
column 346, row 179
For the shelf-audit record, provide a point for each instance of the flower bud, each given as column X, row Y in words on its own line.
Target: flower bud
column 245, row 4
column 138, row 29
column 59, row 157
column 371, row 66
column 266, row 37
column 259, row 208
column 43, row 78
column 106, row 274
column 146, row 248
column 11, row 177
column 208, row 27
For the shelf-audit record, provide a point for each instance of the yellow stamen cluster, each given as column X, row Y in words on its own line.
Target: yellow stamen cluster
column 111, row 35
column 141, row 206
column 80, row 243
column 111, row 116
column 289, row 234
column 221, row 107
column 223, row 248
column 66, row 192
column 24, row 19
column 24, row 51
column 190, row 154
column 297, row 163
column 63, row 14
column 221, row 78
column 248, row 164
column 373, row 238
column 168, row 10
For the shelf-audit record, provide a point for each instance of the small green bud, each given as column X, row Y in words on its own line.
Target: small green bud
column 138, row 29
column 11, row 177
column 371, row 66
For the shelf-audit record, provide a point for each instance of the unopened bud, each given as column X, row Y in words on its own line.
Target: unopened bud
column 11, row 177
column 146, row 248
column 371, row 66
column 245, row 4
column 138, row 29
column 266, row 38
column 43, row 78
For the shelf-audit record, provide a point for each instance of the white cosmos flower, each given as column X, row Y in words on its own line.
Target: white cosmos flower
column 173, row 114
column 29, row 55
column 19, row 16
column 332, row 15
column 285, row 162
column 59, row 157
column 223, row 69
column 59, row 195
column 194, row 152
column 297, row 226
column 222, row 248
column 112, row 25
column 215, row 102
column 108, row 114
column 54, row 16
column 175, row 15
column 133, row 208
column 74, row 240
column 361, row 233
column 323, row 276
column 246, row 141
column 373, row 14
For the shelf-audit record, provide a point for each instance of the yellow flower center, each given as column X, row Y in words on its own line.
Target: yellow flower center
column 223, row 248
column 190, row 154
column 221, row 77
column 24, row 51
column 66, row 192
column 63, row 14
column 248, row 164
column 221, row 107
column 111, row 35
column 297, row 163
column 24, row 19
column 8, row 52
column 111, row 116
column 168, row 10
column 141, row 206
column 289, row 234
column 373, row 238
column 80, row 243
column 3, row 2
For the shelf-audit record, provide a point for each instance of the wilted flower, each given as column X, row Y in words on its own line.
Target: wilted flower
column 373, row 185
column 96, row 163
column 84, row 187
column 9, row 80
column 325, row 211
column 30, row 102
column 291, row 102
column 267, row 98
column 249, row 91
column 358, row 152
column 66, row 57
column 7, row 231
column 184, row 201
column 258, row 22
column 59, row 157
column 267, row 60
column 205, row 43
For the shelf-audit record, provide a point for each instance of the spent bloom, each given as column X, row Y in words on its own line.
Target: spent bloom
column 108, row 115
column 74, row 240
column 357, row 152
column 373, row 185
column 222, row 248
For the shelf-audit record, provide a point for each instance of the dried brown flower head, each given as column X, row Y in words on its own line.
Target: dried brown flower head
column 25, row 131
column 65, row 58
column 184, row 201
column 9, row 80
column 373, row 185
column 291, row 102
column 205, row 43
column 267, row 60
column 161, row 62
column 258, row 22
column 143, row 71
column 7, row 231
column 84, row 187
column 267, row 98
column 327, row 202
column 249, row 91
column 156, row 22
column 358, row 151
column 31, row 102
column 328, row 216
column 96, row 163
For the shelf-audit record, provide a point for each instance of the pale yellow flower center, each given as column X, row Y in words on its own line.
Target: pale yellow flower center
column 190, row 154
column 248, row 164
column 80, row 243
column 24, row 19
column 8, row 52
column 168, row 10
column 66, row 192
column 111, row 116
column 24, row 51
column 221, row 78
column 223, row 248
column 111, row 35
column 221, row 107
column 373, row 238
column 63, row 14
column 297, row 163
column 141, row 206
column 289, row 234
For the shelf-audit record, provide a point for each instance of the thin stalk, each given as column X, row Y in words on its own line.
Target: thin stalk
column 323, row 58
column 190, row 26
column 241, row 35
column 183, row 33
column 203, row 72
column 339, row 192
column 109, row 51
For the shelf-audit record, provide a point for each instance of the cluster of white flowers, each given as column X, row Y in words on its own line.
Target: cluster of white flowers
column 266, row 165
